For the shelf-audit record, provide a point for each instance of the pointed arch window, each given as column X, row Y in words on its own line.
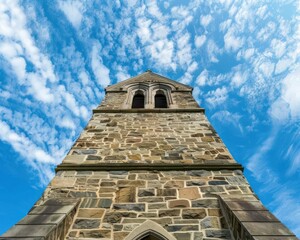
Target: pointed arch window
column 138, row 100
column 160, row 100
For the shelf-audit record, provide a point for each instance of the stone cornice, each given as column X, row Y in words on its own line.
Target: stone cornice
column 155, row 110
column 148, row 167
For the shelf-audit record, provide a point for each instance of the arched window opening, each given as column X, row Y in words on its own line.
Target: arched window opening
column 138, row 100
column 160, row 100
column 151, row 237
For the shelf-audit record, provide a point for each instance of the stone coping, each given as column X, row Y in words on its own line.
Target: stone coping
column 154, row 110
column 149, row 167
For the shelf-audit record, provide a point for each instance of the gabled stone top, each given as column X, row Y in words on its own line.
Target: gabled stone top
column 148, row 77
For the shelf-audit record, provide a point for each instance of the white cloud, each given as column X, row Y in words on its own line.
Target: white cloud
column 200, row 40
column 100, row 71
column 212, row 51
column 232, row 41
column 205, row 20
column 226, row 117
column 287, row 106
column 216, row 97
column 202, row 78
column 73, row 10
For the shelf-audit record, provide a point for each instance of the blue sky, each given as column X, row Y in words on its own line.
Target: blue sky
column 241, row 57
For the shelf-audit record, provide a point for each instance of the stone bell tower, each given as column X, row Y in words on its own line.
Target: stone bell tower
column 149, row 166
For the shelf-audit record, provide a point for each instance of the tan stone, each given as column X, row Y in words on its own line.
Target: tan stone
column 181, row 203
column 120, row 235
column 174, row 184
column 207, row 139
column 131, row 183
column 125, row 195
column 135, row 157
column 58, row 182
column 90, row 213
column 189, row 193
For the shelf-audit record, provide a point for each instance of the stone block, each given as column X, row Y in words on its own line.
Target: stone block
column 267, row 229
column 52, row 209
column 126, row 194
column 174, row 184
column 42, row 219
column 169, row 213
column 130, row 207
column 76, row 159
column 131, row 183
column 60, row 182
column 90, row 213
column 182, row 236
column 96, row 203
column 205, row 203
column 146, row 192
column 224, row 234
column 193, row 213
column 166, row 192
column 116, row 217
column 189, row 193
column 182, row 228
column 86, row 224
column 255, row 216
column 179, row 203
column 95, row 234
column 245, row 205
column 29, row 231
column 210, row 222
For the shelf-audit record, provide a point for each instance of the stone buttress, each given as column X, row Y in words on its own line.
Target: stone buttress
column 149, row 166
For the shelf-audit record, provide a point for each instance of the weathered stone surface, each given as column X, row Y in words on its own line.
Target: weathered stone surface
column 131, row 183
column 90, row 213
column 224, row 234
column 217, row 183
column 267, row 228
column 146, row 192
column 28, row 231
column 95, row 234
column 184, row 228
column 130, row 207
column 168, row 213
column 182, row 236
column 193, row 213
column 206, row 203
column 82, row 194
column 96, row 203
column 115, row 217
column 166, row 192
column 93, row 157
column 86, row 224
column 199, row 173
column 210, row 222
column 195, row 183
column 180, row 203
column 189, row 193
column 174, row 184
column 60, row 182
column 42, row 219
column 125, row 195
column 84, row 151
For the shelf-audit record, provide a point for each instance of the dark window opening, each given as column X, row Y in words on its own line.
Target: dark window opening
column 160, row 101
column 150, row 237
column 138, row 101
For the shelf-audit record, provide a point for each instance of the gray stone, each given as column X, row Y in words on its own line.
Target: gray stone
column 115, row 217
column 217, row 183
column 199, row 173
column 49, row 209
column 224, row 234
column 84, row 151
column 86, row 223
column 195, row 183
column 182, row 228
column 206, row 203
column 29, row 231
column 96, row 203
column 193, row 213
column 93, row 157
column 82, row 194
column 146, row 192
column 130, row 207
column 42, row 219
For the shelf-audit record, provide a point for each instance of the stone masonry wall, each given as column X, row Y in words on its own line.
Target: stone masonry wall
column 148, row 138
column 113, row 203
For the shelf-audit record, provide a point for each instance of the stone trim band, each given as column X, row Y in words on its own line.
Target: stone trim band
column 148, row 167
column 155, row 110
